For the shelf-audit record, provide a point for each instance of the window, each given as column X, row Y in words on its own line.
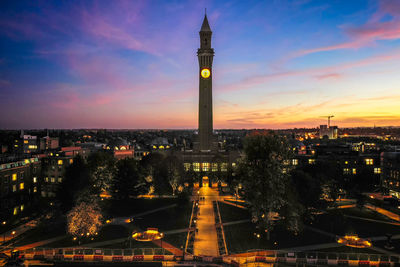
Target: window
column 46, row 179
column 286, row 162
column 60, row 162
column 206, row 166
column 53, row 179
column 59, row 179
column 14, row 188
column 346, row 162
column 34, row 189
column 32, row 146
column 186, row 166
column 26, row 141
column 71, row 161
column 224, row 167
column 354, row 171
column 196, row 166
column 15, row 211
column 295, row 162
column 311, row 161
column 346, row 171
column 214, row 167
column 34, row 179
column 377, row 170
column 369, row 161
column 22, row 207
column 21, row 186
column 14, row 176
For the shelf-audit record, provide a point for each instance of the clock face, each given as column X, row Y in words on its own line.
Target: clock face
column 205, row 73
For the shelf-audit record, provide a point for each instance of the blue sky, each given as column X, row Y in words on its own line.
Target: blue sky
column 133, row 64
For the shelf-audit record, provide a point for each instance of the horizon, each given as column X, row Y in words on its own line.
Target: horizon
column 132, row 65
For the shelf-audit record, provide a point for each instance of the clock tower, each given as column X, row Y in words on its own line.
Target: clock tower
column 205, row 56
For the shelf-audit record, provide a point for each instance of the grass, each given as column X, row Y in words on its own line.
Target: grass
column 133, row 206
column 240, row 238
column 334, row 222
column 176, row 240
column 345, row 249
column 231, row 213
column 168, row 219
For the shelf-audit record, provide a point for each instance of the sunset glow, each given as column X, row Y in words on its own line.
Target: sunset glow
column 133, row 64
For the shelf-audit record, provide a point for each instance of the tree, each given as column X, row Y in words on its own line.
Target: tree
column 129, row 179
column 263, row 174
column 309, row 189
column 77, row 178
column 174, row 172
column 85, row 219
column 102, row 169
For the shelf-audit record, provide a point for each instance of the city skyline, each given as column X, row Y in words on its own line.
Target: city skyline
column 132, row 65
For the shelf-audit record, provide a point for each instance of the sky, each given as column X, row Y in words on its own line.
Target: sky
column 133, row 64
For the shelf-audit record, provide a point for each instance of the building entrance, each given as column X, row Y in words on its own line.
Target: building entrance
column 205, row 181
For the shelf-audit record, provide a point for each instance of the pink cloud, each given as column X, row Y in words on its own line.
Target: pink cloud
column 328, row 76
column 367, row 34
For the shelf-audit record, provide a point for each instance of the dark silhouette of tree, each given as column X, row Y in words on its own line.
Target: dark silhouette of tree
column 77, row 179
column 264, row 176
column 129, row 179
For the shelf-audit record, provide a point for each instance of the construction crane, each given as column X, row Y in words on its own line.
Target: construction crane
column 329, row 119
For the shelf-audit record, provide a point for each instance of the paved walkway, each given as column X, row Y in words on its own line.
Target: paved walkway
column 205, row 242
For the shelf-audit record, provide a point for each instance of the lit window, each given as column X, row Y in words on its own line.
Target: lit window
column 22, row 207
column 369, row 161
column 196, row 166
column 34, row 179
column 233, row 164
column 377, row 170
column 214, row 167
column 346, row 171
column 311, row 161
column 284, row 170
column 295, row 162
column 186, row 166
column 21, row 186
column 224, row 167
column 26, row 141
column 71, row 161
column 14, row 176
column 35, row 189
column 161, row 147
column 354, row 171
column 32, row 146
column 53, row 179
column 286, row 162
column 14, row 187
column 60, row 162
column 59, row 179
column 46, row 179
column 206, row 166
column 346, row 162
column 15, row 211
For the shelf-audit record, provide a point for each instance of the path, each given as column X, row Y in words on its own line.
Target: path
column 205, row 242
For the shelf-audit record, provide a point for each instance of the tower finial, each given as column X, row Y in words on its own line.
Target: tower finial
column 205, row 11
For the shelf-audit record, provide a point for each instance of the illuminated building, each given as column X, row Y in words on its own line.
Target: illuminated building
column 48, row 143
column 391, row 173
column 206, row 161
column 19, row 186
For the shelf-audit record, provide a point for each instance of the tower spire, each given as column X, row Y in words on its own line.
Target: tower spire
column 205, row 27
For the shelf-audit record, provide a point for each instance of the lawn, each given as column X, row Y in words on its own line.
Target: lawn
column 334, row 222
column 133, row 206
column 240, row 238
column 231, row 213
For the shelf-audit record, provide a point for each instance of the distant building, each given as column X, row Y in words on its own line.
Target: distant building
column 26, row 144
column 19, row 186
column 48, row 143
column 330, row 132
column 390, row 162
column 53, row 169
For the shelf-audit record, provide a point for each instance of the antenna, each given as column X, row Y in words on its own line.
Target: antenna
column 329, row 119
column 205, row 11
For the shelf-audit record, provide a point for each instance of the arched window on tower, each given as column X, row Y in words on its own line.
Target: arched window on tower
column 205, row 41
